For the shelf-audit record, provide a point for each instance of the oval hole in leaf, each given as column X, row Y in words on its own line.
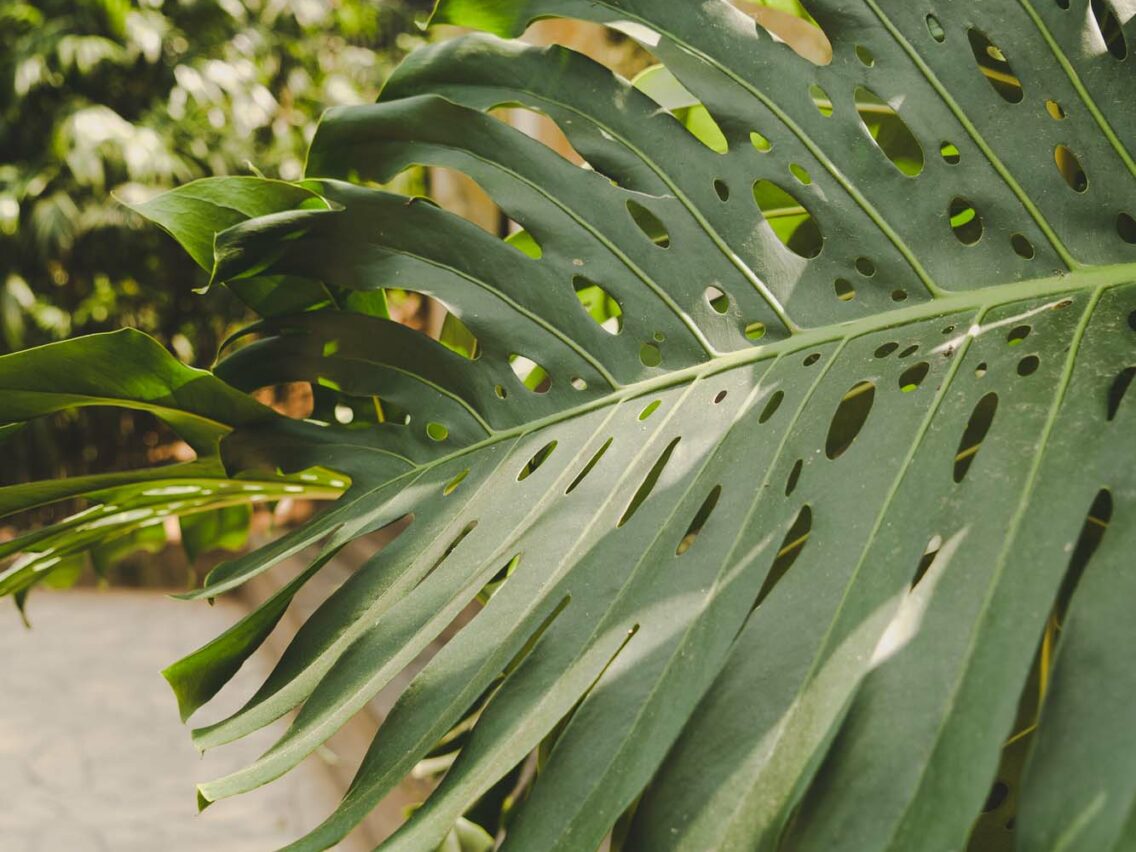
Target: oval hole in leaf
column 453, row 484
column 595, row 459
column 599, row 304
column 865, row 56
column 935, row 29
column 845, row 292
column 1096, row 524
column 755, row 331
column 794, row 477
column 720, row 397
column 437, row 431
column 650, row 409
column 718, row 300
column 699, row 521
column 886, row 349
column 849, row 419
column 995, row 67
column 649, row 224
column 1070, row 168
column 913, row 376
column 1110, row 28
column 950, row 153
column 539, row 458
column 771, row 407
column 927, row 559
column 1119, row 388
column 648, row 484
column 1022, row 247
column 1055, row 110
column 500, row 391
column 1028, row 365
column 865, row 266
column 899, row 295
column 1126, row 228
column 811, row 359
column 965, row 221
column 723, row 190
column 890, row 132
column 909, row 351
column 976, row 430
column 579, row 384
column 800, row 173
column 788, row 553
column 532, row 375
column 1017, row 335
column 789, row 218
column 760, row 142
column 650, row 355
column 820, row 100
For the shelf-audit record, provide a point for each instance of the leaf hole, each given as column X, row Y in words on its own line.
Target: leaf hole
column 845, row 292
column 1110, row 29
column 1097, row 520
column 789, row 218
column 1126, row 228
column 755, row 331
column 927, row 559
column 437, row 431
column 1119, row 388
column 539, row 458
column 899, row 295
column 453, row 484
column 650, row 224
column 723, row 190
column 947, row 329
column 648, row 484
column 1017, row 335
column 865, row 56
column 794, row 477
column 909, row 351
column 820, row 100
column 650, row 409
column 865, row 266
column 811, row 359
column 936, row 29
column 500, row 391
column 965, row 221
column 791, row 547
column 995, row 67
column 997, row 797
column 1022, row 247
column 759, row 142
column 980, row 370
column 579, row 384
column 592, row 462
column 771, row 407
column 975, row 433
column 1070, row 168
column 849, row 419
column 1028, row 365
column 718, row 300
column 890, row 132
column 699, row 521
column 800, row 173
column 913, row 376
column 886, row 349
column 532, row 375
column 599, row 304
column 720, row 397
column 950, row 153
column 650, row 355
column 1055, row 110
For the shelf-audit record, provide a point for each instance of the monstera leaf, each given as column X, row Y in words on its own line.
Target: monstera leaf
column 818, row 533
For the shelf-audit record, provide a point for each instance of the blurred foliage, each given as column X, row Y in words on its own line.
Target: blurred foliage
column 120, row 99
column 129, row 97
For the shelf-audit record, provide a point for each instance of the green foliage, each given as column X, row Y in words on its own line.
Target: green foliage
column 822, row 541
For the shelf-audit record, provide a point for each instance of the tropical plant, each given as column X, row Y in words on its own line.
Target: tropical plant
column 813, row 531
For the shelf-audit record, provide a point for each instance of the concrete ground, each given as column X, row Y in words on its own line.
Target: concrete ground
column 92, row 754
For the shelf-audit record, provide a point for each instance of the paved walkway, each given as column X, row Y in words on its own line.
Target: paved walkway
column 92, row 755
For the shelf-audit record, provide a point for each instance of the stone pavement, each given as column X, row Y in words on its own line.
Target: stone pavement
column 93, row 757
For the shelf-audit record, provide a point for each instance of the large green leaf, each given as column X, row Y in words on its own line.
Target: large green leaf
column 767, row 557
